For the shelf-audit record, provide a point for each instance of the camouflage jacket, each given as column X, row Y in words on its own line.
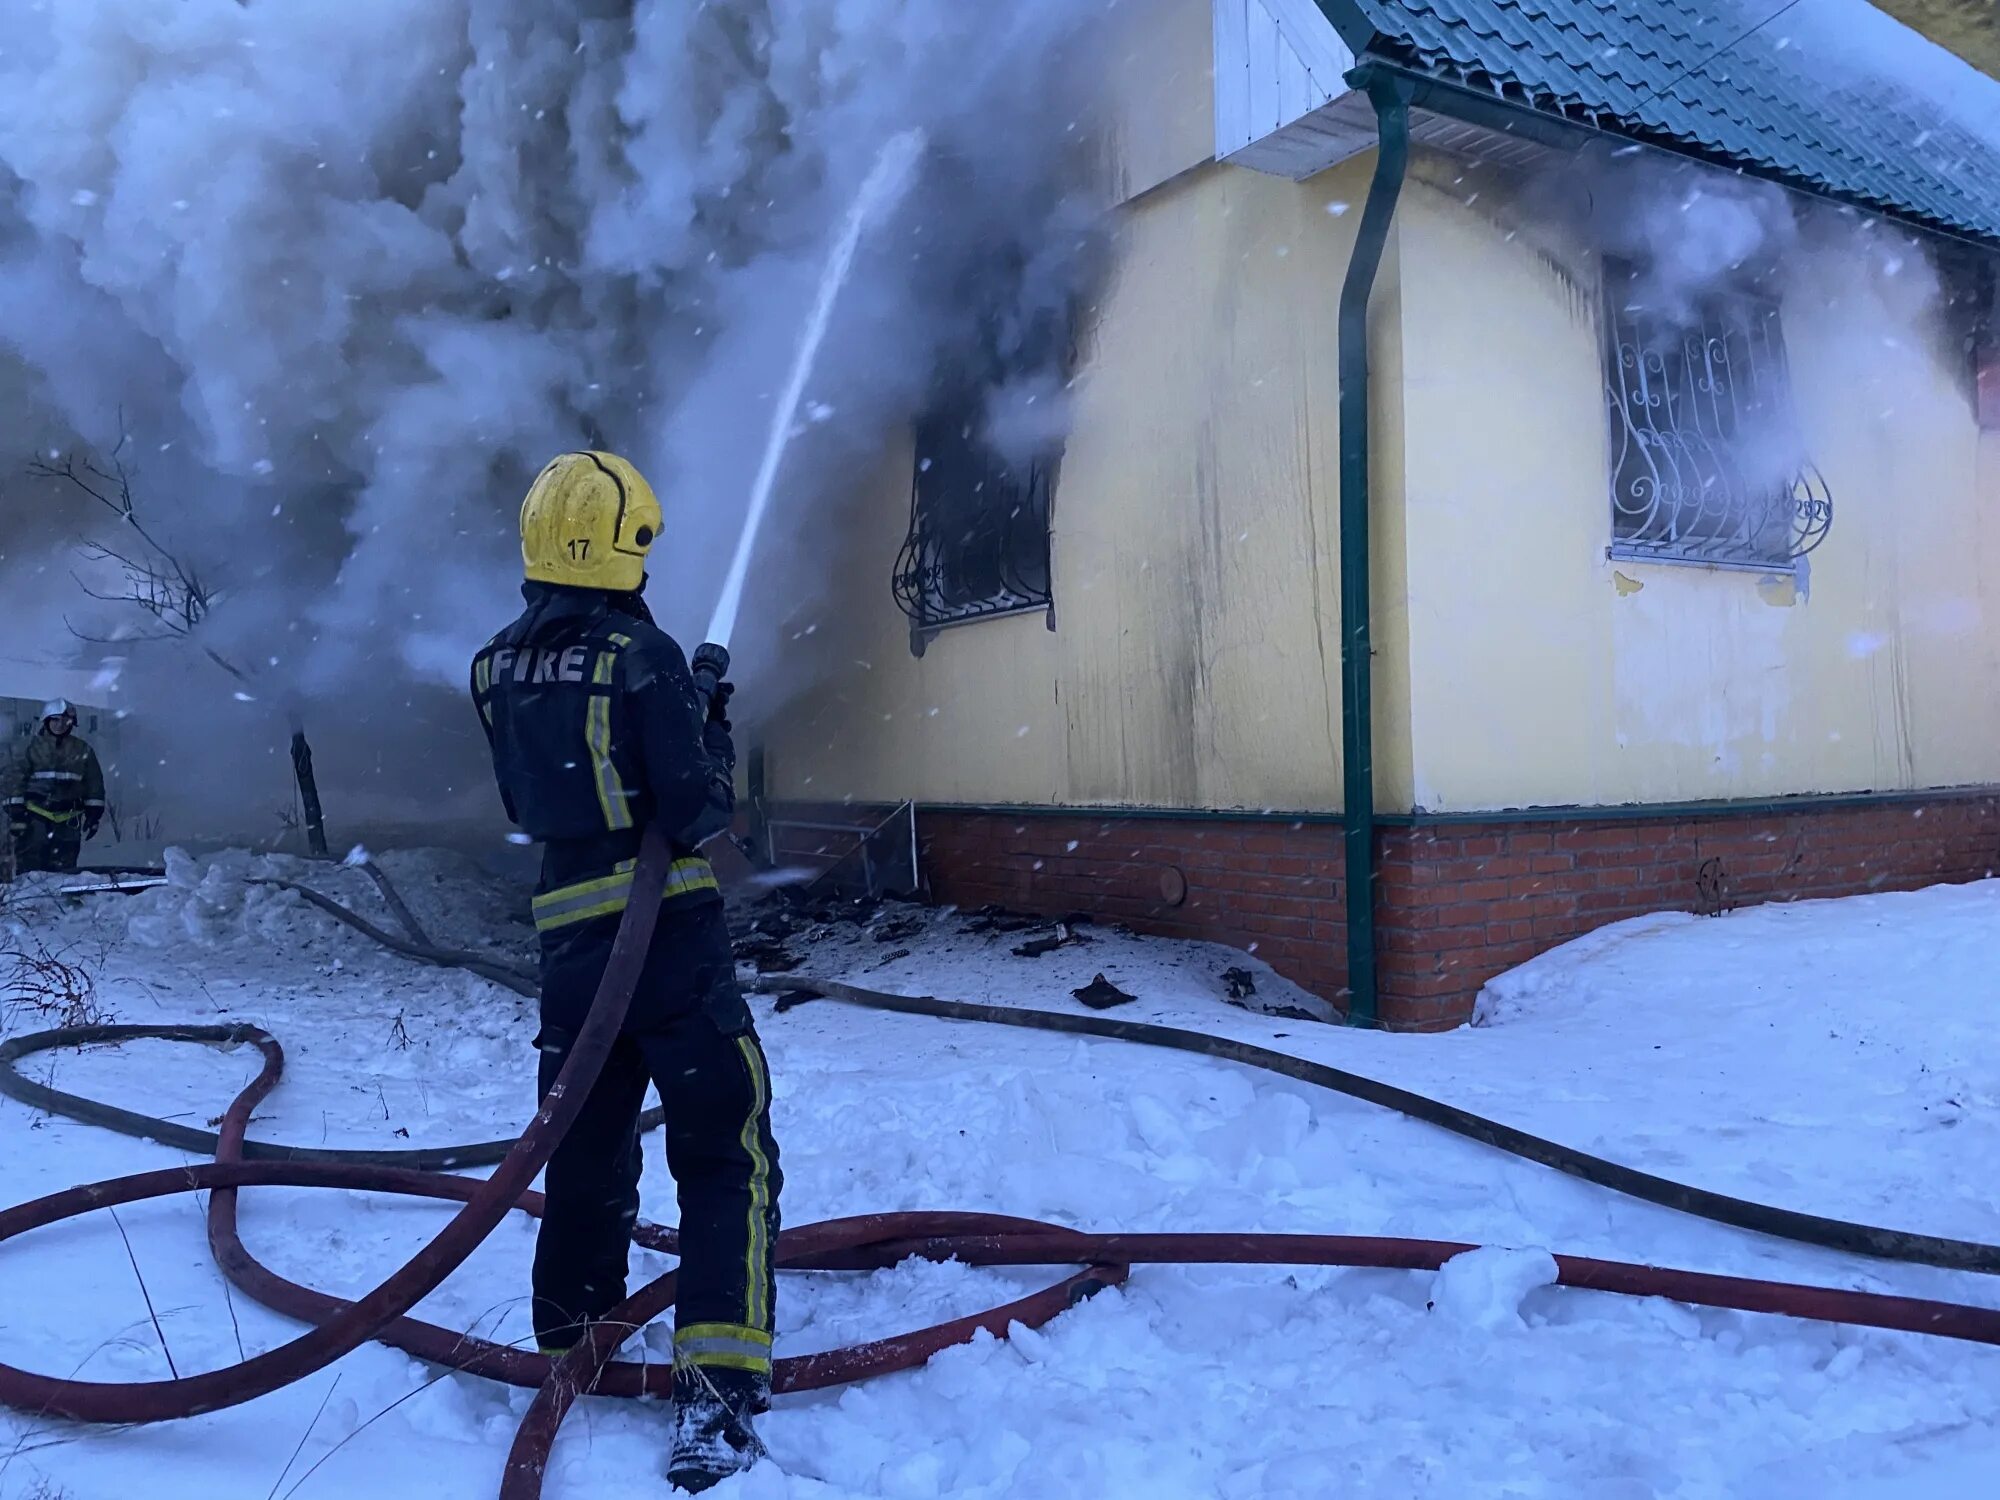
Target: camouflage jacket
column 57, row 779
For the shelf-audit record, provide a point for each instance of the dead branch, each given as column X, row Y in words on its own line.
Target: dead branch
column 138, row 639
column 158, row 580
column 217, row 657
column 110, row 488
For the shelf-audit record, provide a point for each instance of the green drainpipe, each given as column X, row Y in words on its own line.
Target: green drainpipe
column 1391, row 98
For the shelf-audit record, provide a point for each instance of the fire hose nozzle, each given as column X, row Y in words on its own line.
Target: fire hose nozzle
column 710, row 666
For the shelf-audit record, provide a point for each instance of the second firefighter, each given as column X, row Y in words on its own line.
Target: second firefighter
column 53, row 790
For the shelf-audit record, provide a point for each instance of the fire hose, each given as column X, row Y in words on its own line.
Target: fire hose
column 866, row 1242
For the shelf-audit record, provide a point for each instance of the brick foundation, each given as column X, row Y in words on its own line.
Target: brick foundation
column 1270, row 888
column 1457, row 902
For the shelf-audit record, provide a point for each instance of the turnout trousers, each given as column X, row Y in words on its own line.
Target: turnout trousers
column 690, row 1035
column 46, row 845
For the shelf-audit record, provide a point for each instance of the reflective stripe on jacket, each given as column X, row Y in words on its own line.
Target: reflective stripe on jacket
column 56, row 777
column 597, row 732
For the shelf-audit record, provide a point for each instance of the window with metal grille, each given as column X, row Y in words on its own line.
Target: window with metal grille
column 1707, row 462
column 978, row 544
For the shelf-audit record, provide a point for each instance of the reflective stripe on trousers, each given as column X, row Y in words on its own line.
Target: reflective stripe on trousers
column 757, row 1254
column 726, row 1346
column 610, row 894
column 746, row 1345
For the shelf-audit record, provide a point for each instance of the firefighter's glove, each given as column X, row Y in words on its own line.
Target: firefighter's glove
column 710, row 666
column 718, row 743
column 16, row 829
column 718, row 704
column 91, row 821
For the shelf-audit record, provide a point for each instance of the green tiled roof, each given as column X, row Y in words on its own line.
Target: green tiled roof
column 1665, row 70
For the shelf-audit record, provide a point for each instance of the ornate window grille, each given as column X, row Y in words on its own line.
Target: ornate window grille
column 1707, row 463
column 978, row 544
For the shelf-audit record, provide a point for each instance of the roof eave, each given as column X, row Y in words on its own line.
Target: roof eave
column 1353, row 26
column 1517, row 116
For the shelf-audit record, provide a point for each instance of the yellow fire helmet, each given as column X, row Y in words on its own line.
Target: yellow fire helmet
column 588, row 522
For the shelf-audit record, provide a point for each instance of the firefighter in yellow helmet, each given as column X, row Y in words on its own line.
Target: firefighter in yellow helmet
column 53, row 790
column 598, row 729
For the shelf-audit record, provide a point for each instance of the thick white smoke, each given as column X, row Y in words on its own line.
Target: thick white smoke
column 344, row 273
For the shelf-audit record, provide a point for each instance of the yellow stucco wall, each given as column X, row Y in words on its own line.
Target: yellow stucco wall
column 1195, row 660
column 1195, row 657
column 1541, row 673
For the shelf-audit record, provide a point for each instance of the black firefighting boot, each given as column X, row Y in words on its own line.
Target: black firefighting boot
column 713, row 1436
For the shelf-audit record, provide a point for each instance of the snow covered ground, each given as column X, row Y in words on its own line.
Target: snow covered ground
column 1836, row 1057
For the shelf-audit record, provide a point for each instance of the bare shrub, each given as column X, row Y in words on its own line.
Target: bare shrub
column 50, row 986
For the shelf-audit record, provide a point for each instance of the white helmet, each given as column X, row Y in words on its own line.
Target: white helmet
column 58, row 708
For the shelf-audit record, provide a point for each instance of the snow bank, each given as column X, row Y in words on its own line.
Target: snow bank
column 228, row 899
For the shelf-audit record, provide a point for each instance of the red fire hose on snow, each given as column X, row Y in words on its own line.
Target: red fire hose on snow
column 867, row 1242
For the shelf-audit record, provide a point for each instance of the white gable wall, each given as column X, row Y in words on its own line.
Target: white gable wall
column 1282, row 104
